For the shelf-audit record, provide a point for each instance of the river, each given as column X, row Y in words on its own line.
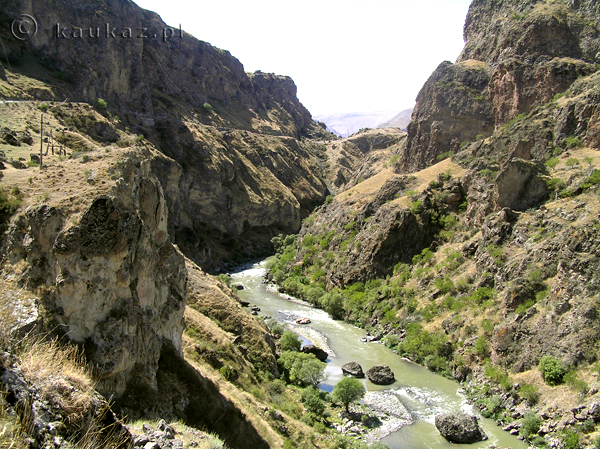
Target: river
column 423, row 393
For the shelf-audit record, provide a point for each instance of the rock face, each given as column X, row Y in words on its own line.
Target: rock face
column 316, row 351
column 452, row 107
column 520, row 186
column 459, row 428
column 353, row 369
column 516, row 57
column 117, row 284
column 228, row 192
column 148, row 76
column 381, row 375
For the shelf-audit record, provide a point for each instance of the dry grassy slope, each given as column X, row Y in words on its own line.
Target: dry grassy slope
column 361, row 156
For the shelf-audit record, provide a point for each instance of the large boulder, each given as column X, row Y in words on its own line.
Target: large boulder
column 317, row 352
column 353, row 369
column 459, row 428
column 381, row 375
column 520, row 186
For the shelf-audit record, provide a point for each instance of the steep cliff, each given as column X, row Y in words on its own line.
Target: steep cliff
column 238, row 167
column 113, row 282
column 526, row 52
column 139, row 65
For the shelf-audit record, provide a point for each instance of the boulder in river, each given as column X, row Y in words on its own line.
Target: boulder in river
column 381, row 375
column 318, row 352
column 302, row 320
column 459, row 428
column 353, row 369
column 239, row 287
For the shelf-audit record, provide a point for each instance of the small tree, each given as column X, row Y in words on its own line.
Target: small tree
column 303, row 369
column 348, row 390
column 552, row 370
column 289, row 341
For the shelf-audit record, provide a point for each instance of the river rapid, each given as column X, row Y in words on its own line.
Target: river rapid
column 422, row 393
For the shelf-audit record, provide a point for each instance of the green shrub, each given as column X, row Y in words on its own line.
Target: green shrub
column 302, row 369
column 530, row 425
column 444, row 285
column 312, row 401
column 481, row 346
column 225, row 279
column 580, row 386
column 445, row 155
column 571, row 439
column 328, row 199
column 498, row 375
column 529, row 393
column 592, row 180
column 207, row 107
column 573, row 142
column 572, row 161
column 416, row 207
column 289, row 341
column 228, row 373
column 597, row 442
column 552, row 162
column 101, row 104
column 32, row 164
column 552, row 370
column 493, row 407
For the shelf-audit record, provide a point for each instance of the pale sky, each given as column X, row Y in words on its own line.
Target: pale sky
column 344, row 55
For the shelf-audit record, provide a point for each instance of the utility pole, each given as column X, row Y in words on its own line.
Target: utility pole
column 41, row 140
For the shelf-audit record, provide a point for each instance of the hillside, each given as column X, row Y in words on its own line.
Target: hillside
column 232, row 140
column 398, row 121
column 475, row 252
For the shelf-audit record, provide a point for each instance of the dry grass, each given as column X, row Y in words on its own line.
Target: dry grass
column 59, row 372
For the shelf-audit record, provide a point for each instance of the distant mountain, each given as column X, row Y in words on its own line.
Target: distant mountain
column 398, row 121
column 345, row 124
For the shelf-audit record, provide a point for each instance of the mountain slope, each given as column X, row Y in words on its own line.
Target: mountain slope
column 477, row 253
column 235, row 172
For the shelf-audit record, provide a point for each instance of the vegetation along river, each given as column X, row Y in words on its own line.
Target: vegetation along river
column 423, row 393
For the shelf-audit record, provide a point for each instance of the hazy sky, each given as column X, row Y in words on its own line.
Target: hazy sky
column 344, row 55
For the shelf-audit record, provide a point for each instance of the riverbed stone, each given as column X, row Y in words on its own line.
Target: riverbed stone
column 316, row 351
column 459, row 428
column 381, row 375
column 353, row 369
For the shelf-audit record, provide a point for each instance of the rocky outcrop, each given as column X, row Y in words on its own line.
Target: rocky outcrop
column 153, row 77
column 452, row 107
column 520, row 186
column 353, row 369
column 459, row 428
column 516, row 57
column 361, row 156
column 232, row 191
column 115, row 283
column 316, row 351
column 381, row 375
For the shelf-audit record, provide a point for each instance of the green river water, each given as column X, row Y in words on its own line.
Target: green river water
column 422, row 392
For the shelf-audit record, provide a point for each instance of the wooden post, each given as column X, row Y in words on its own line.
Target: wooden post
column 41, row 140
column 52, row 139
